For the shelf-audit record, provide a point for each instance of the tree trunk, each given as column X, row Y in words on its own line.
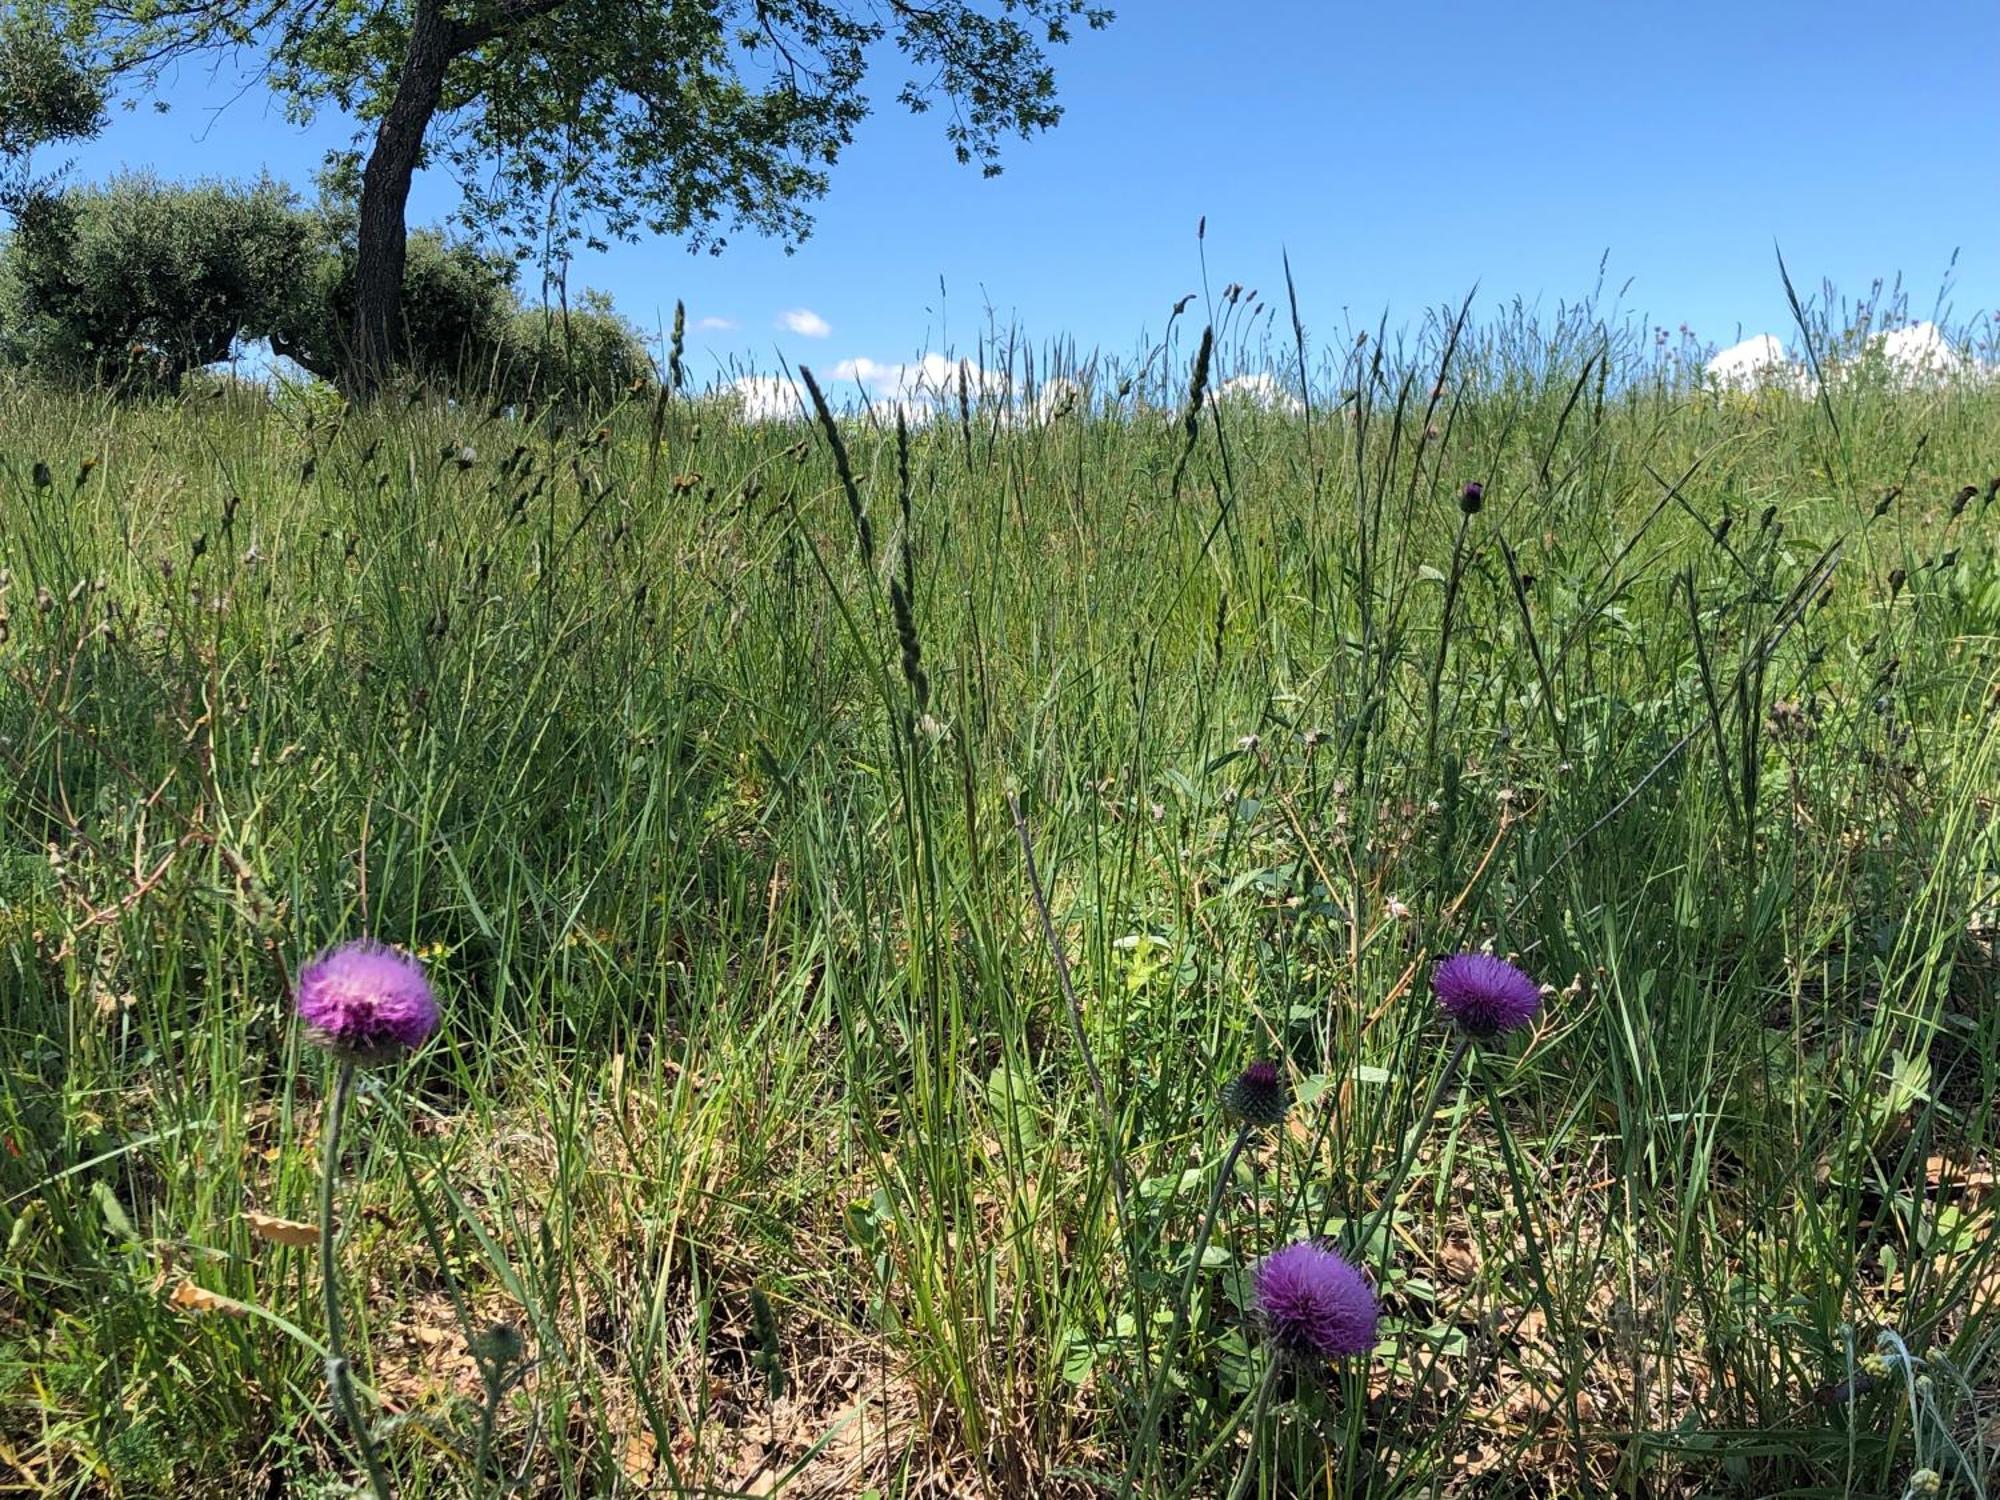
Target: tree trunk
column 376, row 336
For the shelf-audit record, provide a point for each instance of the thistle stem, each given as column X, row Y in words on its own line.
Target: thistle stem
column 1407, row 1153
column 1242, row 1484
column 338, row 1374
column 1156, row 1397
column 1538, row 1265
column 1436, row 683
column 489, row 1412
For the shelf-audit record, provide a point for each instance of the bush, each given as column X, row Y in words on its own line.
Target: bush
column 456, row 306
column 586, row 355
column 137, row 282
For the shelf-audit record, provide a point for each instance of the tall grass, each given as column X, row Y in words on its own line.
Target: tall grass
column 702, row 761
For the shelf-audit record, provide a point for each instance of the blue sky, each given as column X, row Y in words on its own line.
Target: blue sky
column 1400, row 154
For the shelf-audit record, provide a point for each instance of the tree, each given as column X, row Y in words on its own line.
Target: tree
column 458, row 299
column 137, row 282
column 574, row 119
column 47, row 94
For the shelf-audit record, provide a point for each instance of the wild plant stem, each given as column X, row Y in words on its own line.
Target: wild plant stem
column 1107, row 1122
column 1249, row 1465
column 1435, row 686
column 1414, row 1135
column 489, row 1411
column 1216, row 1444
column 1538, row 1265
column 339, row 1376
column 1157, row 1393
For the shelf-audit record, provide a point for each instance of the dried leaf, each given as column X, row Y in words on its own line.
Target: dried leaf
column 282, row 1231
column 639, row 1457
column 1458, row 1262
column 190, row 1298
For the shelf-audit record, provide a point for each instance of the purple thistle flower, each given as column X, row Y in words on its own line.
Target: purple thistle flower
column 1313, row 1304
column 367, row 1003
column 1486, row 996
column 1472, row 497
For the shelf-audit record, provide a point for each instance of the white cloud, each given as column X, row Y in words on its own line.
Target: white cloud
column 805, row 322
column 1060, row 397
column 1919, row 352
column 919, row 389
column 715, row 325
column 862, row 371
column 1262, row 389
column 763, row 398
column 1754, row 362
column 1914, row 354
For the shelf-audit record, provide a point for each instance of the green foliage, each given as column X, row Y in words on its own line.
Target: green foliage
column 587, row 354
column 569, row 117
column 458, row 303
column 137, row 282
column 47, row 94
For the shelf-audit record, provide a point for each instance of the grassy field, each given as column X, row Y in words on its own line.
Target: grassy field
column 803, row 1154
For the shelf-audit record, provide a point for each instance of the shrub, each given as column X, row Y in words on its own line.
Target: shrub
column 587, row 355
column 136, row 282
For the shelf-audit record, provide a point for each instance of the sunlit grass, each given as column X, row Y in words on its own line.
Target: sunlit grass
column 747, row 993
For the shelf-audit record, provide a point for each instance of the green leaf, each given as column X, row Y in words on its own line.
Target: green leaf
column 115, row 1217
column 1018, row 1105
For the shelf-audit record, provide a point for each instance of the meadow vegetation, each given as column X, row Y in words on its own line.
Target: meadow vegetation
column 853, row 874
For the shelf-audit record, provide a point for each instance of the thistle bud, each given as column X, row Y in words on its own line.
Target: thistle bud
column 1257, row 1096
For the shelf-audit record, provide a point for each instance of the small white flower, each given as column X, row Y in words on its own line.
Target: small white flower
column 1397, row 909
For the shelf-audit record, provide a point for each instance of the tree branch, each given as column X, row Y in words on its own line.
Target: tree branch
column 468, row 35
